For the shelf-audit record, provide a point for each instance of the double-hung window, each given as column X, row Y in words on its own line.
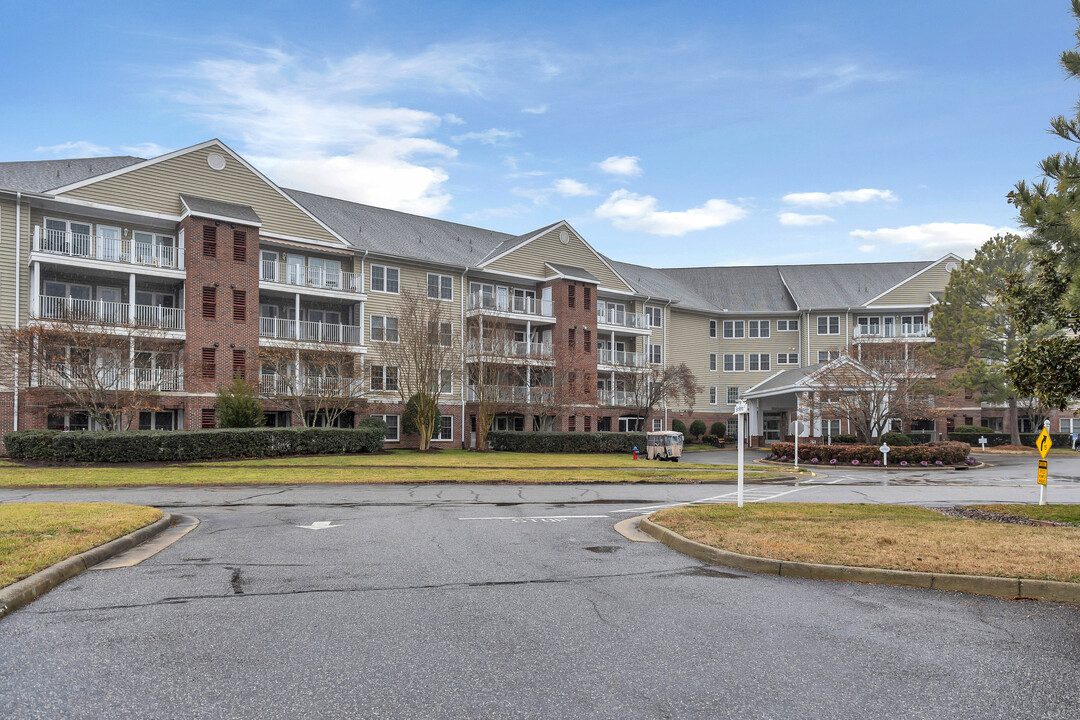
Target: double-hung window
column 732, row 395
column 712, row 395
column 759, row 361
column 655, row 317
column 734, row 329
column 828, row 325
column 385, row 279
column 734, row 363
column 759, row 328
column 440, row 287
column 787, row 325
column 787, row 358
column 712, row 328
column 384, row 377
column 1069, row 425
column 392, row 424
column 656, row 355
column 384, row 327
column 446, row 428
column 712, row 362
column 827, row 355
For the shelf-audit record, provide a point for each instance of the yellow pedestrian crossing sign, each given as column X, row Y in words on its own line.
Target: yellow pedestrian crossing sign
column 1043, row 442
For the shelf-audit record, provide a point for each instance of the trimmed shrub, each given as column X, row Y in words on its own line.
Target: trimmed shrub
column 949, row 453
column 920, row 438
column 718, row 429
column 1060, row 440
column 566, row 442
column 409, row 424
column 972, row 429
column 186, row 445
column 896, row 439
column 373, row 422
column 844, row 439
column 697, row 428
column 238, row 405
column 679, row 426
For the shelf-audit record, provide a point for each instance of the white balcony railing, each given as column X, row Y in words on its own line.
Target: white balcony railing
column 621, row 358
column 310, row 385
column 621, row 318
column 118, row 250
column 615, row 398
column 104, row 312
column 307, row 331
column 161, row 379
column 511, row 304
column 312, row 277
column 509, row 349
column 512, row 394
column 907, row 330
column 108, row 378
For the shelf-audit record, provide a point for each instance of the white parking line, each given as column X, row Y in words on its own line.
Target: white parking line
column 536, row 517
column 750, row 495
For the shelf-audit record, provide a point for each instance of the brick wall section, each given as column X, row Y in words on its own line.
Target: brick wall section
column 226, row 274
column 580, row 317
column 7, row 416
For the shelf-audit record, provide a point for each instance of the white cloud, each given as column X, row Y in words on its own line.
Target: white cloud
column 452, row 119
column 842, row 75
column 494, row 136
column 568, row 187
column 75, row 148
column 800, row 220
column 146, row 150
column 841, row 197
column 867, row 248
column 538, row 110
column 630, row 211
column 623, row 166
column 938, row 238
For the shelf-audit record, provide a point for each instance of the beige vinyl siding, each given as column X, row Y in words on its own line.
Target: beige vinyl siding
column 529, row 259
column 689, row 342
column 156, row 188
column 8, row 263
column 777, row 342
column 413, row 278
column 827, row 342
column 916, row 291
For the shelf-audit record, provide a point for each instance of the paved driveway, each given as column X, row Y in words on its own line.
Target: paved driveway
column 517, row 602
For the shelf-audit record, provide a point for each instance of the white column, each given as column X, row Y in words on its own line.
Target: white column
column 528, row 338
column 296, row 321
column 35, row 289
column 131, row 363
column 131, row 298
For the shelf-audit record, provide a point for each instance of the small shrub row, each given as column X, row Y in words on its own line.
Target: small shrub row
column 935, row 453
column 566, row 442
column 972, row 429
column 896, row 439
column 186, row 445
column 844, row 439
column 1060, row 440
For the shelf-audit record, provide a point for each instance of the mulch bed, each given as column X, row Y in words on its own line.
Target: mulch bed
column 960, row 511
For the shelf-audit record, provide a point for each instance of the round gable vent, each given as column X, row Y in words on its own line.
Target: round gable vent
column 950, row 266
column 564, row 237
column 216, row 161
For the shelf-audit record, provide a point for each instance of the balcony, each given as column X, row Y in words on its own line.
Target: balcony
column 614, row 317
column 114, row 250
column 615, row 398
column 492, row 349
column 103, row 312
column 118, row 379
column 907, row 331
column 272, row 328
column 310, row 386
column 510, row 305
column 159, row 379
column 311, row 277
column 519, row 394
column 621, row 358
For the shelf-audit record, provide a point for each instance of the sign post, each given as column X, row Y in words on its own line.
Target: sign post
column 796, row 428
column 741, row 410
column 885, row 453
column 1043, row 443
column 982, row 441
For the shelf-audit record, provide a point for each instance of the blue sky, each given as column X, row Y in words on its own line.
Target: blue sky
column 677, row 133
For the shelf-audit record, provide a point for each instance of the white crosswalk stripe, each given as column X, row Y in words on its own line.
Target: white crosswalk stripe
column 751, row 494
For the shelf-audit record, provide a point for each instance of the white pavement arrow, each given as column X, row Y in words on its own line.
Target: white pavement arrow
column 319, row 525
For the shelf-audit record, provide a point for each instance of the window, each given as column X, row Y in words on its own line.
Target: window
column 712, row 395
column 827, row 355
column 209, row 303
column 830, row 427
column 446, row 334
column 733, row 329
column 712, row 362
column 440, row 287
column 913, row 325
column 828, row 325
column 209, row 363
column 588, row 419
column 1024, row 424
column 867, row 326
column 209, row 241
column 384, row 327
column 655, row 317
column 787, row 358
column 657, row 424
column 571, row 338
column 239, row 363
column 446, row 382
column 994, row 423
column 732, row 395
column 384, row 377
column 570, row 298
column 159, row 420
column 712, row 329
column 446, row 428
column 734, row 363
column 656, row 355
column 392, row 424
column 759, row 328
column 239, row 305
column 385, row 279
column 759, row 361
column 586, row 301
column 239, row 246
column 588, row 341
column 67, row 423
column 787, row 325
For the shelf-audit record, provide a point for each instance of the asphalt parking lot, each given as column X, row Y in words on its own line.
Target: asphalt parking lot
column 517, row 602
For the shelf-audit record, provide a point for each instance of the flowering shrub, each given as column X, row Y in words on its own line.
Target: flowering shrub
column 854, row 462
column 877, row 462
column 814, row 460
column 945, row 452
column 972, row 461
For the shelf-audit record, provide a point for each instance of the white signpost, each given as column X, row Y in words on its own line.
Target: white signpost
column 741, row 411
column 797, row 428
column 885, row 453
column 982, row 441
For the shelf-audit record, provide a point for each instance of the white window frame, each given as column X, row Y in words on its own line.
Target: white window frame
column 656, row 354
column 758, row 362
column 737, row 364
column 385, row 279
column 712, row 395
column 655, row 316
column 758, row 329
column 828, row 424
column 446, row 382
column 787, row 325
column 828, row 355
column 733, row 397
column 657, row 424
column 828, row 324
column 383, row 328
column 443, row 283
column 712, row 328
column 397, row 426
column 1073, row 425
column 712, row 362
column 734, row 329
column 383, row 376
column 787, row 358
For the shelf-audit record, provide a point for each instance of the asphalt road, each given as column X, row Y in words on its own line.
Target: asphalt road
column 474, row 601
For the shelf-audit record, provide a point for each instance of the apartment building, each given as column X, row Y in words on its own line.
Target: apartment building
column 206, row 264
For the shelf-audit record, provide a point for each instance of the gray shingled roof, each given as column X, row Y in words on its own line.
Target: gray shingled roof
column 573, row 272
column 781, row 380
column 398, row 234
column 205, row 206
column 513, row 242
column 737, row 289
column 845, row 285
column 654, row 283
column 41, row 175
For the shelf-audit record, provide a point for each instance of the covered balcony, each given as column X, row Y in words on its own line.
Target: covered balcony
column 82, row 241
column 107, row 299
column 320, row 276
column 519, row 305
column 288, row 320
column 492, row 349
column 277, row 385
column 614, row 316
column 892, row 327
column 275, row 328
column 609, row 358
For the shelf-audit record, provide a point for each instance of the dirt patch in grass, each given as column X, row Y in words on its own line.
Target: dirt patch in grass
column 1061, row 514
column 34, row 536
column 896, row 537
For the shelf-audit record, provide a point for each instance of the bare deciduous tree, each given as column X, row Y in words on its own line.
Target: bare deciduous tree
column 315, row 383
column 648, row 388
column 495, row 381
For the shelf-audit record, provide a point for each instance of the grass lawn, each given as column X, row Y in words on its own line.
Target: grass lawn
column 896, row 537
column 34, row 536
column 1067, row 514
column 400, row 466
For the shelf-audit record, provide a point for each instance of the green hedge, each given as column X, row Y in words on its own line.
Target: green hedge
column 949, row 453
column 1060, row 440
column 920, row 438
column 565, row 442
column 184, row 445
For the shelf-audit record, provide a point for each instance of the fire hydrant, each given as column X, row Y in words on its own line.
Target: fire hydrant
column 635, row 452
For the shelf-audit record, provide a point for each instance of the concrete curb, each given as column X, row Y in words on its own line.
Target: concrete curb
column 977, row 584
column 16, row 595
column 825, row 466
